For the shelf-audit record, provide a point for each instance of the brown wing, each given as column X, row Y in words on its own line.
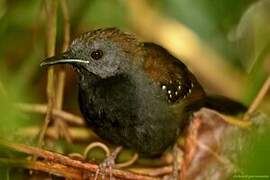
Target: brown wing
column 173, row 76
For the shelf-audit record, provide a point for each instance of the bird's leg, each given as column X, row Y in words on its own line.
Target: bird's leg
column 108, row 163
column 177, row 156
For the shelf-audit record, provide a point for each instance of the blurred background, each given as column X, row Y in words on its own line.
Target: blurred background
column 226, row 43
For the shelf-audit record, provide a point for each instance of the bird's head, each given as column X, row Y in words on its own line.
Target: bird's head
column 103, row 53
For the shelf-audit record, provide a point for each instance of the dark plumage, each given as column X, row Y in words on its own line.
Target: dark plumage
column 132, row 93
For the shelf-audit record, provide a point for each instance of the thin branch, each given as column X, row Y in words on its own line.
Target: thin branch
column 133, row 159
column 66, row 21
column 51, row 36
column 41, row 108
column 223, row 160
column 59, row 124
column 235, row 121
column 51, row 168
column 154, row 172
column 77, row 133
column 94, row 145
column 66, row 39
column 60, row 89
column 258, row 98
column 77, row 156
column 65, row 160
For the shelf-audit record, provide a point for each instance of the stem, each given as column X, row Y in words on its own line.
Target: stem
column 51, row 168
column 66, row 25
column 59, row 124
column 42, row 108
column 51, row 36
column 66, row 38
column 66, row 161
column 78, row 133
column 258, row 98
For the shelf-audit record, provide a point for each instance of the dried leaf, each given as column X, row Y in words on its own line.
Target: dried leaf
column 213, row 146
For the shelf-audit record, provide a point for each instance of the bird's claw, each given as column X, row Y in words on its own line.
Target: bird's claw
column 107, row 165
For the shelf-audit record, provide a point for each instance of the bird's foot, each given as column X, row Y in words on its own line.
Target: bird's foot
column 107, row 165
column 177, row 156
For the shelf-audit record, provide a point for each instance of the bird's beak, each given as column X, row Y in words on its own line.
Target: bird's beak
column 63, row 58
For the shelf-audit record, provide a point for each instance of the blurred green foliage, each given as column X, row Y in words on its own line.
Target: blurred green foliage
column 18, row 62
column 254, row 158
column 212, row 20
column 238, row 29
column 257, row 159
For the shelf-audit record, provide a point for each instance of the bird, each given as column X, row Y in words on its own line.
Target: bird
column 133, row 93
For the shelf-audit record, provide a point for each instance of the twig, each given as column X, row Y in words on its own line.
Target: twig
column 51, row 168
column 154, row 172
column 133, row 159
column 223, row 160
column 51, row 36
column 76, row 156
column 59, row 124
column 78, row 133
column 66, row 21
column 42, row 108
column 236, row 122
column 60, row 90
column 93, row 145
column 65, row 160
column 258, row 98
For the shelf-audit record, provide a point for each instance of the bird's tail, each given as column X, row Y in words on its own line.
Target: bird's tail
column 224, row 105
column 219, row 103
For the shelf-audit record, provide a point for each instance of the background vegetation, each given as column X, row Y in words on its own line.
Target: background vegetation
column 226, row 43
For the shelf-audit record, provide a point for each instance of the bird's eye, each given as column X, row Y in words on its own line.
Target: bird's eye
column 97, row 54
